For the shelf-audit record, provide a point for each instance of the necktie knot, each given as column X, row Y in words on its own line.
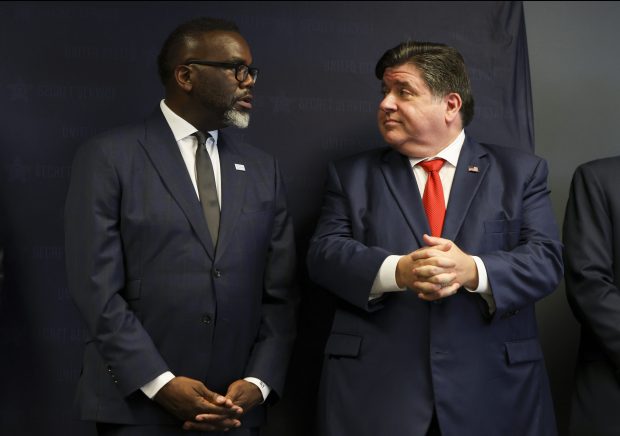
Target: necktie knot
column 432, row 165
column 201, row 137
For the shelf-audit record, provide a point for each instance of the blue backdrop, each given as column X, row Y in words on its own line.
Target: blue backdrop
column 71, row 70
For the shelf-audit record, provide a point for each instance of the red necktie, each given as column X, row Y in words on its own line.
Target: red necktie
column 433, row 200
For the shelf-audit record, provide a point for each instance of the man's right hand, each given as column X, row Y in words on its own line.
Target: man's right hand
column 186, row 398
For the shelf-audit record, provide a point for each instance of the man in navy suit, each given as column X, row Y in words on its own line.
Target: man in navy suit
column 180, row 254
column 592, row 240
column 437, row 274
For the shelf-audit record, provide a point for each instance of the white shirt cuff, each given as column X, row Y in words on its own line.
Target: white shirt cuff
column 264, row 389
column 484, row 289
column 385, row 281
column 151, row 388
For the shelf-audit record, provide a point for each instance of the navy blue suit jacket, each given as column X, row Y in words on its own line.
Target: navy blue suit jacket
column 592, row 244
column 154, row 292
column 390, row 361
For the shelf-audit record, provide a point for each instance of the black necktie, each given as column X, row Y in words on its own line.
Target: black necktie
column 207, row 190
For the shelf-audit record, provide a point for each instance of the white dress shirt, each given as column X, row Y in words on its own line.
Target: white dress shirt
column 183, row 134
column 385, row 280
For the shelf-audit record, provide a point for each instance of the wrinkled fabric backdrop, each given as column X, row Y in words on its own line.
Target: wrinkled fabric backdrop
column 71, row 70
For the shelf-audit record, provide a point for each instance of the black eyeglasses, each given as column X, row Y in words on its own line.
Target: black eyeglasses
column 241, row 70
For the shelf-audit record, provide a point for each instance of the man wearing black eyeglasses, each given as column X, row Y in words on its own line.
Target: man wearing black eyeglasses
column 180, row 254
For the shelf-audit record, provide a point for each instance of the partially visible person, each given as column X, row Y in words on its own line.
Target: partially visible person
column 180, row 254
column 591, row 236
column 1, row 271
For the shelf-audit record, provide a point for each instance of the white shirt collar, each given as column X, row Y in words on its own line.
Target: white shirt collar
column 450, row 154
column 181, row 129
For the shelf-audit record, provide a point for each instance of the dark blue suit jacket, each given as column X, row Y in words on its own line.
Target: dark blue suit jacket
column 154, row 292
column 592, row 245
column 389, row 362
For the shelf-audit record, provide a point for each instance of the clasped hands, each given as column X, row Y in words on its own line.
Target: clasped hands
column 204, row 410
column 437, row 270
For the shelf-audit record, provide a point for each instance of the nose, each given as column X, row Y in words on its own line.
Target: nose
column 248, row 82
column 388, row 104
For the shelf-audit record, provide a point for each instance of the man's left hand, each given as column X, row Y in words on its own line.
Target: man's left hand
column 245, row 394
column 242, row 393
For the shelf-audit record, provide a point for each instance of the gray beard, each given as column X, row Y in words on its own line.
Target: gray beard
column 235, row 118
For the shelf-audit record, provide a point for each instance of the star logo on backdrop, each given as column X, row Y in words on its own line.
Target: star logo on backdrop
column 18, row 172
column 19, row 91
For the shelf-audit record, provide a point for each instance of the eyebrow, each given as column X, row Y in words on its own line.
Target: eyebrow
column 232, row 60
column 237, row 60
column 400, row 83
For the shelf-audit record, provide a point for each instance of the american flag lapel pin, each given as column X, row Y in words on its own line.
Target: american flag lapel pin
column 473, row 169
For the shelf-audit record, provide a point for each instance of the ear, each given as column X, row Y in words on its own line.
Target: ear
column 453, row 106
column 182, row 77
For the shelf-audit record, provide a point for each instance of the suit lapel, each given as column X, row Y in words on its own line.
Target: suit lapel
column 399, row 177
column 233, row 189
column 470, row 172
column 163, row 151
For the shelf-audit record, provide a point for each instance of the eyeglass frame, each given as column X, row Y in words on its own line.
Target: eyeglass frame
column 237, row 66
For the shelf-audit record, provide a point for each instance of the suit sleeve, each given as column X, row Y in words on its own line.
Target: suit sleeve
column 271, row 352
column 336, row 259
column 533, row 268
column 95, row 271
column 588, row 237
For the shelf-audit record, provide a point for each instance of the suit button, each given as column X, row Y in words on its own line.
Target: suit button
column 217, row 273
column 206, row 319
